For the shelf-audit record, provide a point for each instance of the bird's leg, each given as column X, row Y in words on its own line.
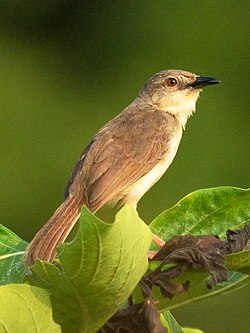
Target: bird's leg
column 158, row 241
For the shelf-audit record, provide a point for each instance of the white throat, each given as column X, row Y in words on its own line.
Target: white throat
column 180, row 104
column 183, row 107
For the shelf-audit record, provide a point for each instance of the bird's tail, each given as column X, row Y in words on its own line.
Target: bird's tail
column 54, row 232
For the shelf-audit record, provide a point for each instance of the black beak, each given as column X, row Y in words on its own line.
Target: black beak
column 202, row 81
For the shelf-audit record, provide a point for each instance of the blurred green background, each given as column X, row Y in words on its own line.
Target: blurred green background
column 67, row 67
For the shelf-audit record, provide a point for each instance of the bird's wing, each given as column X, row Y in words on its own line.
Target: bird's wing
column 125, row 150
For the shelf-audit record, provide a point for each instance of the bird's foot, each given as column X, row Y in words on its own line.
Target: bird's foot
column 160, row 242
column 151, row 254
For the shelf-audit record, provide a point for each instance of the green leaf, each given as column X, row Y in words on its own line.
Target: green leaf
column 171, row 324
column 192, row 330
column 208, row 211
column 239, row 261
column 99, row 269
column 25, row 309
column 169, row 321
column 203, row 212
column 12, row 266
column 198, row 291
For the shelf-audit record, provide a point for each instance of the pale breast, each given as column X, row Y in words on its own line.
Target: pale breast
column 140, row 187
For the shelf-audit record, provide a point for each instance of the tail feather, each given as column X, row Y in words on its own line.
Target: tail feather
column 54, row 232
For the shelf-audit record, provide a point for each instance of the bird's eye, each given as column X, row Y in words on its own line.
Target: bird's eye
column 171, row 82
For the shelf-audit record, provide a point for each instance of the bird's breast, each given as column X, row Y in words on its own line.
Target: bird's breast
column 141, row 186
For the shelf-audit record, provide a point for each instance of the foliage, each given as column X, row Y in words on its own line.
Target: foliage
column 12, row 266
column 25, row 308
column 101, row 267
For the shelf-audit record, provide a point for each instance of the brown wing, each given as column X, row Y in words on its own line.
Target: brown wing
column 121, row 153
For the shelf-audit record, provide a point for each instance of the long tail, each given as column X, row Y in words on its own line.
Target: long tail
column 54, row 232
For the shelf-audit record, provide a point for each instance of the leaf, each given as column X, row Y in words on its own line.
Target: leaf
column 239, row 261
column 203, row 212
column 99, row 269
column 192, row 330
column 12, row 266
column 197, row 289
column 25, row 309
column 209, row 211
column 171, row 324
column 197, row 281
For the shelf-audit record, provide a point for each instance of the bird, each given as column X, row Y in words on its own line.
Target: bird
column 126, row 157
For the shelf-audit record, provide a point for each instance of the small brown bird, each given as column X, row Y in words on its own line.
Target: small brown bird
column 127, row 156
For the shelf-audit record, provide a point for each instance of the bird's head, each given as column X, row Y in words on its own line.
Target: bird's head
column 176, row 92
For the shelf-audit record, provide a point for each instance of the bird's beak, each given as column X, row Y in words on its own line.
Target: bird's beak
column 202, row 81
